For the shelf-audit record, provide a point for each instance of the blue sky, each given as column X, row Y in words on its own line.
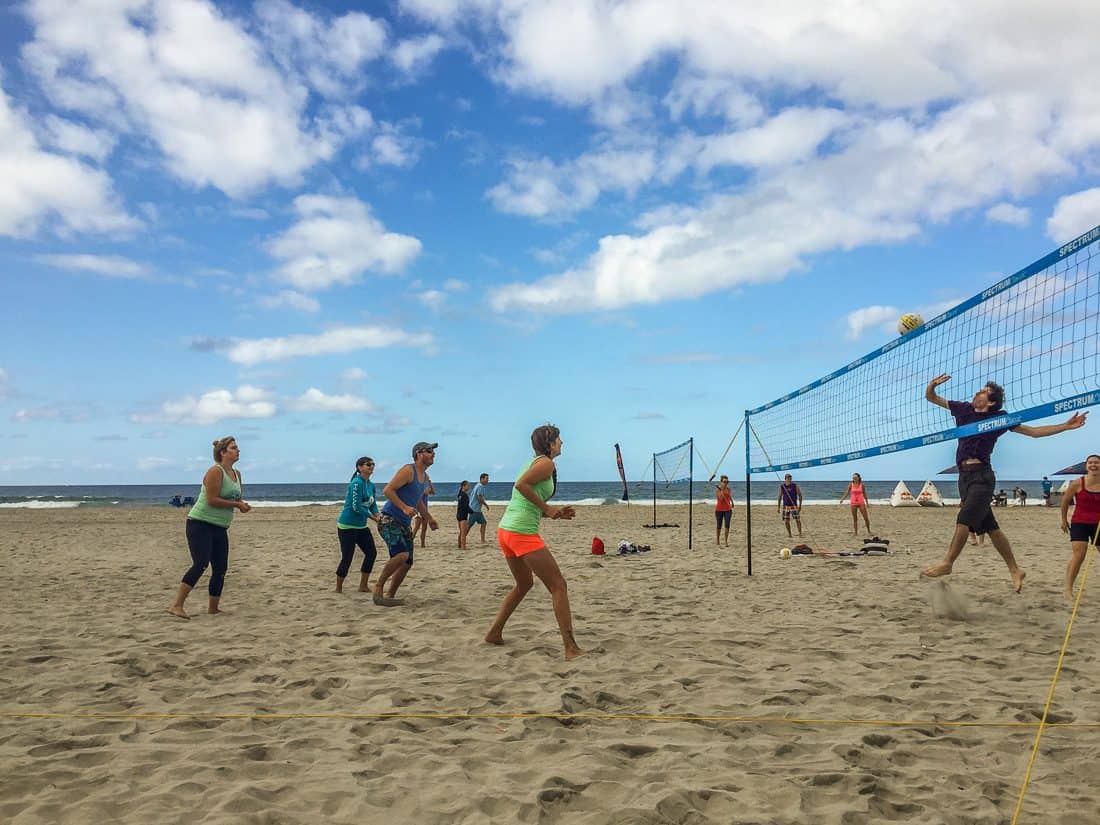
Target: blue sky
column 335, row 230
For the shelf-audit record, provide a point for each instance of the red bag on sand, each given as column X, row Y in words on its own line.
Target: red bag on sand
column 597, row 546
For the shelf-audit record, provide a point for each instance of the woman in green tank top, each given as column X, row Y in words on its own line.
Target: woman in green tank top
column 208, row 525
column 524, row 550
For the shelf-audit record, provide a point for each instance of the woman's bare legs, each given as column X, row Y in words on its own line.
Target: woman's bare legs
column 522, row 574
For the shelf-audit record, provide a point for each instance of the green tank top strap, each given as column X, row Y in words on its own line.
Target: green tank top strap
column 221, row 516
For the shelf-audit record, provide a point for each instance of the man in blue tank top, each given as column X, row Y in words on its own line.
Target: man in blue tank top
column 404, row 499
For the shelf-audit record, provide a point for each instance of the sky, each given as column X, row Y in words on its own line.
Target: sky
column 336, row 229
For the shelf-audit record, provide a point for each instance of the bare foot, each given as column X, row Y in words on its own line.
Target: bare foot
column 1069, row 596
column 367, row 589
column 1018, row 579
column 574, row 653
column 491, row 639
column 178, row 612
column 216, row 610
column 339, row 588
column 941, row 569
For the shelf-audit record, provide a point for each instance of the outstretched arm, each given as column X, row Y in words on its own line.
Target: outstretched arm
column 1075, row 421
column 930, row 394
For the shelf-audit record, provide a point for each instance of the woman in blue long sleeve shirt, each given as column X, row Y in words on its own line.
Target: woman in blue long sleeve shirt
column 351, row 527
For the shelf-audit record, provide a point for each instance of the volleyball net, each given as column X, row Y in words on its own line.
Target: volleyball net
column 1036, row 333
column 675, row 465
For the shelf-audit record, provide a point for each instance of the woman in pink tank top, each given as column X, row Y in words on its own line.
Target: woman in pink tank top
column 858, row 503
column 1085, row 524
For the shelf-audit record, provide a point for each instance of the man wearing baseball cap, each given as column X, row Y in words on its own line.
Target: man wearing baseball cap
column 404, row 499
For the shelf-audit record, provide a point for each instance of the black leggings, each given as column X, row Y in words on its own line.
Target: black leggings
column 209, row 546
column 348, row 540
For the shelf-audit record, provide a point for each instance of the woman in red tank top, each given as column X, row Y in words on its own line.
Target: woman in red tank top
column 858, row 500
column 723, row 510
column 1085, row 524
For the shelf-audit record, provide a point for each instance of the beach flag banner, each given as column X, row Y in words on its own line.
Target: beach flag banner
column 622, row 472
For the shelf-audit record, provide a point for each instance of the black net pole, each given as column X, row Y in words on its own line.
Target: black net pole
column 748, row 496
column 655, row 490
column 691, row 483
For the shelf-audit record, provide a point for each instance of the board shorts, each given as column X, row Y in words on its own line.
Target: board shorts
column 1081, row 532
column 514, row 545
column 723, row 517
column 976, row 488
column 398, row 537
column 791, row 513
column 476, row 517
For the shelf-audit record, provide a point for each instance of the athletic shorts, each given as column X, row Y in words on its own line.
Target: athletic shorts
column 514, row 545
column 792, row 512
column 723, row 517
column 398, row 537
column 976, row 487
column 1081, row 532
column 476, row 517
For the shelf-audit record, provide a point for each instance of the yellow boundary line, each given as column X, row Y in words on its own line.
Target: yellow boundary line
column 586, row 717
column 1054, row 682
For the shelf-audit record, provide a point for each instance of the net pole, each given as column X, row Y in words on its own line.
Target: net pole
column 691, row 483
column 655, row 490
column 748, row 496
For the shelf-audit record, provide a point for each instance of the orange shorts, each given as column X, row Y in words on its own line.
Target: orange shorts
column 518, row 544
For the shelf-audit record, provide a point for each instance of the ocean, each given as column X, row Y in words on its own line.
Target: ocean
column 577, row 493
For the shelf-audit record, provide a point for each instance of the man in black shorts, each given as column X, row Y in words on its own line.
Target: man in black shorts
column 976, row 478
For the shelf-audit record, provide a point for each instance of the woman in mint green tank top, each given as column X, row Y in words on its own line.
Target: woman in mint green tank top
column 524, row 550
column 208, row 525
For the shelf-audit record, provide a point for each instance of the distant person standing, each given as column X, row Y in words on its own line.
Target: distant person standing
column 523, row 548
column 858, row 502
column 462, row 513
column 1048, row 486
column 1084, row 492
column 790, row 504
column 208, row 526
column 404, row 499
column 351, row 525
column 419, row 526
column 723, row 510
column 478, row 505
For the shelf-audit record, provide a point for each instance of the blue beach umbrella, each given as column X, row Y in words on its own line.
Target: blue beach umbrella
column 1072, row 470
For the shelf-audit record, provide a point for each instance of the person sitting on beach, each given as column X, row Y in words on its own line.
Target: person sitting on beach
column 1001, row 499
column 976, row 477
column 351, row 525
column 208, row 526
column 478, row 505
column 462, row 512
column 858, row 502
column 723, row 510
column 404, row 499
column 790, row 504
column 1084, row 492
column 523, row 548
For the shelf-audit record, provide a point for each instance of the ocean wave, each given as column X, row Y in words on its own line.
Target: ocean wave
column 39, row 504
column 262, row 503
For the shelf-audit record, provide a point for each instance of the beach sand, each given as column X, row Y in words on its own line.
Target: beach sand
column 805, row 656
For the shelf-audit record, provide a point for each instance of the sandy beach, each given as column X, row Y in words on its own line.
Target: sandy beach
column 796, row 666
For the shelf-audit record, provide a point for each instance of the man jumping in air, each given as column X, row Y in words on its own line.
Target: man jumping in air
column 976, row 478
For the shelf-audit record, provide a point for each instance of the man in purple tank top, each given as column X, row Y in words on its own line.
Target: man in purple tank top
column 976, row 478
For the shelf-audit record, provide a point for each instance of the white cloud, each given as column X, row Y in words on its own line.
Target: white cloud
column 413, row 56
column 75, row 139
column 882, row 317
column 112, row 266
column 313, row 400
column 152, row 462
column 540, row 188
column 455, row 285
column 354, row 374
column 1008, row 213
column 433, row 298
column 335, row 241
column 1074, row 215
column 213, row 406
column 328, row 55
column 40, row 185
column 346, row 339
column 391, row 147
column 192, row 80
column 292, row 300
